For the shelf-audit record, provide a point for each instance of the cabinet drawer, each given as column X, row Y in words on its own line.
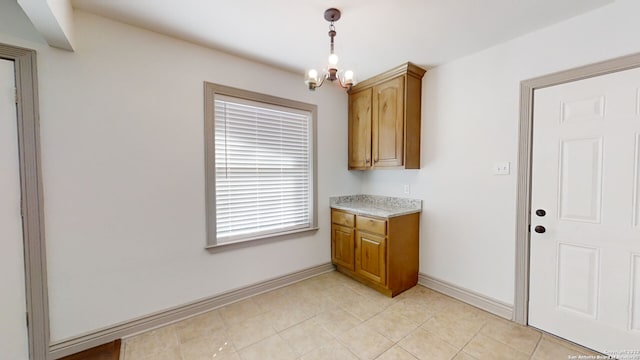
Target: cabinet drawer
column 371, row 225
column 342, row 218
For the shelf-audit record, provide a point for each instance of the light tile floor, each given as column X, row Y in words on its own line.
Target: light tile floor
column 332, row 317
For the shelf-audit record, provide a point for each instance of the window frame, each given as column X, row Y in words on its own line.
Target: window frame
column 211, row 90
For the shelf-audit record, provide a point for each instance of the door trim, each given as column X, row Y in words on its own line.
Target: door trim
column 523, row 202
column 32, row 199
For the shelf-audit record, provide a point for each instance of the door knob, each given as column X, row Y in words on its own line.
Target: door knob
column 541, row 212
column 539, row 229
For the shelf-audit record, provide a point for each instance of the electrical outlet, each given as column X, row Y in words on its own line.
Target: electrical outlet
column 406, row 189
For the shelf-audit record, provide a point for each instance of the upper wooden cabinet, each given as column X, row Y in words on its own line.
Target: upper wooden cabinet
column 384, row 120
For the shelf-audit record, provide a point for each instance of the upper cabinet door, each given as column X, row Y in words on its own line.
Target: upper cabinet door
column 360, row 130
column 388, row 123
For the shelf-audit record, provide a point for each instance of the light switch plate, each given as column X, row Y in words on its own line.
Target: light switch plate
column 502, row 168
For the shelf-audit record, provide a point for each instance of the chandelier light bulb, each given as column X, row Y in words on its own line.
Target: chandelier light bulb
column 313, row 74
column 333, row 60
column 348, row 76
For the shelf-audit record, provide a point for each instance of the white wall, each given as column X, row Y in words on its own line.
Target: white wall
column 123, row 167
column 470, row 120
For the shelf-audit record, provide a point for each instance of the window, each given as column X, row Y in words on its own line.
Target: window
column 260, row 165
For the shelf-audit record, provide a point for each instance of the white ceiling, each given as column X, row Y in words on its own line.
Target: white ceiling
column 372, row 35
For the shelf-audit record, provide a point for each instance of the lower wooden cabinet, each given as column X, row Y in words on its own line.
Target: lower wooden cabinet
column 381, row 253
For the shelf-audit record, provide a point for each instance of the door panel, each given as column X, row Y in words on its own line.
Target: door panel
column 584, row 270
column 388, row 123
column 583, row 109
column 635, row 292
column 577, row 287
column 581, row 179
column 343, row 246
column 636, row 185
column 13, row 330
column 360, row 130
column 371, row 256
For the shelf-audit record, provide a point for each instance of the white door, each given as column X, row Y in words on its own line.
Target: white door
column 585, row 266
column 13, row 328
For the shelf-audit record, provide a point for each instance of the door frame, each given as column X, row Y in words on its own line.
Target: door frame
column 32, row 208
column 523, row 202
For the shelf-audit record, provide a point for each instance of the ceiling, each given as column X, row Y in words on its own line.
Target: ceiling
column 372, row 35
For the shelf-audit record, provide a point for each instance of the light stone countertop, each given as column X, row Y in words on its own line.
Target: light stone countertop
column 374, row 205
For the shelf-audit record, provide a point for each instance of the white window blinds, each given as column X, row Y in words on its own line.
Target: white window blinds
column 263, row 169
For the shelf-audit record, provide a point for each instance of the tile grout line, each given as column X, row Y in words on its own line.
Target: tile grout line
column 471, row 339
column 513, row 348
column 404, row 337
column 419, row 327
column 535, row 349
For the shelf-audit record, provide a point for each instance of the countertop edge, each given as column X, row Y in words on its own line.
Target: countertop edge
column 381, row 214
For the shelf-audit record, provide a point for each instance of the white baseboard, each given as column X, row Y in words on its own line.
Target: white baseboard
column 162, row 318
column 468, row 296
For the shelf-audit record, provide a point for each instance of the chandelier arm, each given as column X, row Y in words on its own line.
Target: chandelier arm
column 344, row 85
column 322, row 79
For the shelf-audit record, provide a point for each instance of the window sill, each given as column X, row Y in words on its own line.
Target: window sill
column 259, row 240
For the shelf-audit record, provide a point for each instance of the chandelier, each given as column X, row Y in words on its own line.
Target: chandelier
column 345, row 79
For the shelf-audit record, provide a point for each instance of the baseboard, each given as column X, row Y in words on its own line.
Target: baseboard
column 145, row 323
column 468, row 296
